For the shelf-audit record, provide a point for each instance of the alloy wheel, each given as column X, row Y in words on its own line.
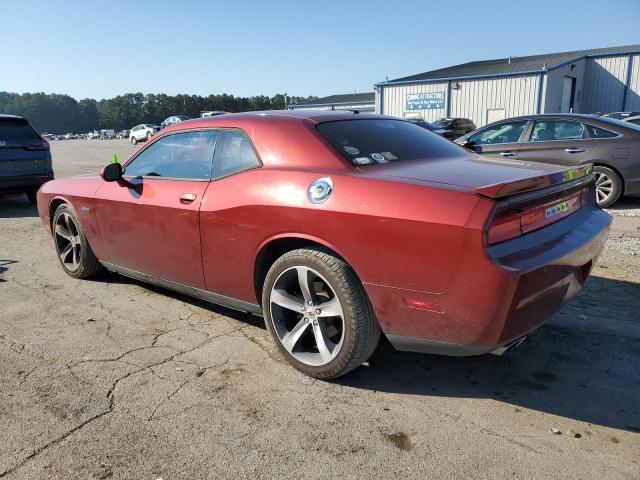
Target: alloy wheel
column 68, row 243
column 604, row 187
column 307, row 316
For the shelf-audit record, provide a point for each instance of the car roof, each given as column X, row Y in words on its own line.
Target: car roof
column 245, row 119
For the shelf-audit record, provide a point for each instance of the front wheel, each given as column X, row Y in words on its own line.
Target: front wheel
column 73, row 249
column 134, row 140
column 32, row 197
column 608, row 186
column 318, row 313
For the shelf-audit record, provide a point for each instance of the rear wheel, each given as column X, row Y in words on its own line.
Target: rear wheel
column 608, row 186
column 318, row 313
column 74, row 252
column 149, row 135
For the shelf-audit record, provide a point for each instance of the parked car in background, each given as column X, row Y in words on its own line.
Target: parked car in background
column 173, row 120
column 336, row 226
column 453, row 128
column 122, row 134
column 142, row 132
column 25, row 158
column 93, row 135
column 634, row 119
column 70, row 136
column 620, row 115
column 107, row 134
column 211, row 113
column 611, row 145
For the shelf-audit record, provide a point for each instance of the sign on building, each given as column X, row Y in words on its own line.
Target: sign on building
column 425, row 101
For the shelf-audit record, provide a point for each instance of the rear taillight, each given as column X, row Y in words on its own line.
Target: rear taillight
column 512, row 224
column 43, row 145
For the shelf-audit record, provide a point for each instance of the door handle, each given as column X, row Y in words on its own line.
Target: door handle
column 187, row 197
column 507, row 154
column 574, row 150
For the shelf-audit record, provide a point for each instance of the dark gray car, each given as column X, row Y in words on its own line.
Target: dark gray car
column 25, row 158
column 613, row 146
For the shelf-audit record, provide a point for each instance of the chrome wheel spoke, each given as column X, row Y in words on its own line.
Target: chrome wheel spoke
column 65, row 253
column 332, row 308
column 303, row 281
column 290, row 340
column 285, row 300
column 322, row 341
column 63, row 232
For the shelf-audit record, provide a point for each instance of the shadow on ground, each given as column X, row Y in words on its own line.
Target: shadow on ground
column 570, row 367
column 17, row 207
column 3, row 267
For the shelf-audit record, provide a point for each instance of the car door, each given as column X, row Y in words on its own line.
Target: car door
column 500, row 139
column 149, row 221
column 229, row 229
column 561, row 141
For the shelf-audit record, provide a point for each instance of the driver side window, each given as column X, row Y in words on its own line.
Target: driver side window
column 187, row 155
column 501, row 133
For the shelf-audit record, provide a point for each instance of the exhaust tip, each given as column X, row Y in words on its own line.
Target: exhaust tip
column 508, row 346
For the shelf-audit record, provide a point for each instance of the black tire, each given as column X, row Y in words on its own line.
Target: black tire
column 134, row 140
column 32, row 197
column 614, row 186
column 361, row 331
column 88, row 264
column 149, row 135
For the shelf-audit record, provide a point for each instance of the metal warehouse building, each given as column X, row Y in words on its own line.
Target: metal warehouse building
column 586, row 81
column 364, row 102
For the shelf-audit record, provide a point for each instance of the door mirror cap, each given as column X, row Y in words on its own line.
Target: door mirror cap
column 111, row 173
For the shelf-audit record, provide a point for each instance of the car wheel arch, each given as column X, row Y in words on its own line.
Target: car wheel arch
column 53, row 206
column 599, row 163
column 273, row 248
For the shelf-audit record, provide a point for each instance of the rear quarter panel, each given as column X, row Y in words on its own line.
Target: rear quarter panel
column 393, row 234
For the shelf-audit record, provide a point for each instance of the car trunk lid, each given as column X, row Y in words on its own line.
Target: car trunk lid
column 489, row 177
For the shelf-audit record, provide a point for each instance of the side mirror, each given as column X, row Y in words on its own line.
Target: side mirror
column 111, row 173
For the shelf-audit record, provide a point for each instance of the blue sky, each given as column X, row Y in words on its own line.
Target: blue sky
column 103, row 48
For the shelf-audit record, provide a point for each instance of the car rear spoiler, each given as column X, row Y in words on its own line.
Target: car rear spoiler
column 563, row 175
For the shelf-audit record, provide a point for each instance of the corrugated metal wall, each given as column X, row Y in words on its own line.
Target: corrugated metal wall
column 395, row 100
column 474, row 98
column 369, row 106
column 604, row 84
column 633, row 95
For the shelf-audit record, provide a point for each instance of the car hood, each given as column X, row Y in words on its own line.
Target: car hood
column 487, row 176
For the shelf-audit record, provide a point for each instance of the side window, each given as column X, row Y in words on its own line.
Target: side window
column 598, row 132
column 502, row 133
column 548, row 130
column 182, row 155
column 234, row 153
column 635, row 121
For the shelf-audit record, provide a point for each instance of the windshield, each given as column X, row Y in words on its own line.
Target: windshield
column 443, row 122
column 372, row 141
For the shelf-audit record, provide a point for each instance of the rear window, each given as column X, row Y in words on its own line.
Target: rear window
column 373, row 141
column 17, row 131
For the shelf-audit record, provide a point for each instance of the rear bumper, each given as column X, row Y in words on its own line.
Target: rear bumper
column 23, row 183
column 497, row 295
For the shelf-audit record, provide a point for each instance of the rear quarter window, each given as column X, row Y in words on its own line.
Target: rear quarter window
column 373, row 141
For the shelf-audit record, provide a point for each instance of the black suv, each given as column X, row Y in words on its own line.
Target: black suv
column 453, row 128
column 25, row 158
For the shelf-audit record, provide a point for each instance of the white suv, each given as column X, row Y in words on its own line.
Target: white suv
column 142, row 132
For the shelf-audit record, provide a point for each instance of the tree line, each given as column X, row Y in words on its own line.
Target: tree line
column 55, row 113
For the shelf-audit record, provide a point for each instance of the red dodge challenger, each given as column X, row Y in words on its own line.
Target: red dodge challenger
column 335, row 227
